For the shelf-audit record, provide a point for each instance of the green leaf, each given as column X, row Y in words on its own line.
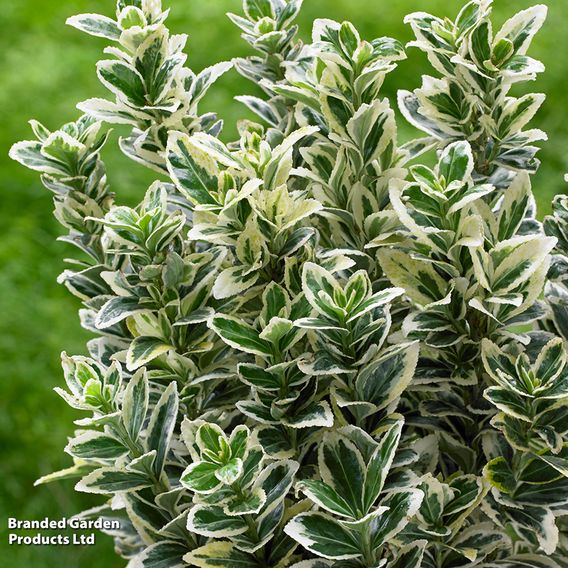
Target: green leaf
column 499, row 474
column 372, row 128
column 107, row 480
column 402, row 506
column 211, row 438
column 275, row 302
column 509, row 402
column 518, row 113
column 342, row 468
column 164, row 554
column 200, row 477
column 324, row 536
column 220, row 554
column 212, row 521
column 229, row 472
column 325, row 496
column 162, row 424
column 517, row 259
column 409, row 556
column 206, row 78
column 317, row 414
column 96, row 445
column 210, row 146
column 96, row 25
column 28, row 153
column 551, row 361
column 191, row 169
column 522, row 27
column 383, row 380
column 135, row 404
column 233, row 281
column 419, row 279
column 258, row 9
column 276, row 480
column 349, row 38
column 379, row 465
column 540, row 521
column 240, row 335
column 247, row 504
column 116, row 310
column 319, row 287
column 143, row 350
column 456, row 162
column 514, row 207
column 123, row 80
column 65, row 149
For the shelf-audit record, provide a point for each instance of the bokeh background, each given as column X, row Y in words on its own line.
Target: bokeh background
column 45, row 69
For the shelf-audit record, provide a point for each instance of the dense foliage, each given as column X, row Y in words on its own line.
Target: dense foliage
column 311, row 350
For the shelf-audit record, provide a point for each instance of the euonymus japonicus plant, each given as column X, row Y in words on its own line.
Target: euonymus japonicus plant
column 309, row 349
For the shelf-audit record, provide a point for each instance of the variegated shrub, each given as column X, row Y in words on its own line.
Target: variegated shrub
column 310, row 349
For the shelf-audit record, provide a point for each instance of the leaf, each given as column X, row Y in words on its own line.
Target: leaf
column 314, row 415
column 522, row 27
column 220, row 553
column 514, row 207
column 250, row 504
column 456, row 162
column 402, row 506
column 63, row 148
column 143, row 350
column 116, row 310
column 240, row 335
column 191, row 169
column 319, row 287
column 67, row 473
column 382, row 381
column 541, row 521
column 215, row 149
column 206, row 78
column 229, row 472
column 499, row 474
column 123, row 80
column 410, row 556
column 164, row 554
column 95, row 25
column 277, row 170
column 233, row 281
column 325, row 496
column 28, row 153
column 97, row 446
column 275, row 300
column 517, row 259
column 210, row 438
column 342, row 467
column 276, row 481
column 258, row 9
column 261, row 108
column 551, row 361
column 379, row 465
column 324, row 536
column 508, row 402
column 518, row 113
column 372, row 128
column 135, row 404
column 162, row 424
column 211, row 521
column 108, row 480
column 200, row 477
column 419, row 279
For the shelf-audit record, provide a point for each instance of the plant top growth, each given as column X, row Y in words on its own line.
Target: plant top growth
column 309, row 349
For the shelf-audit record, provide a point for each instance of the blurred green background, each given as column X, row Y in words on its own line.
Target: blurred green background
column 45, row 69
